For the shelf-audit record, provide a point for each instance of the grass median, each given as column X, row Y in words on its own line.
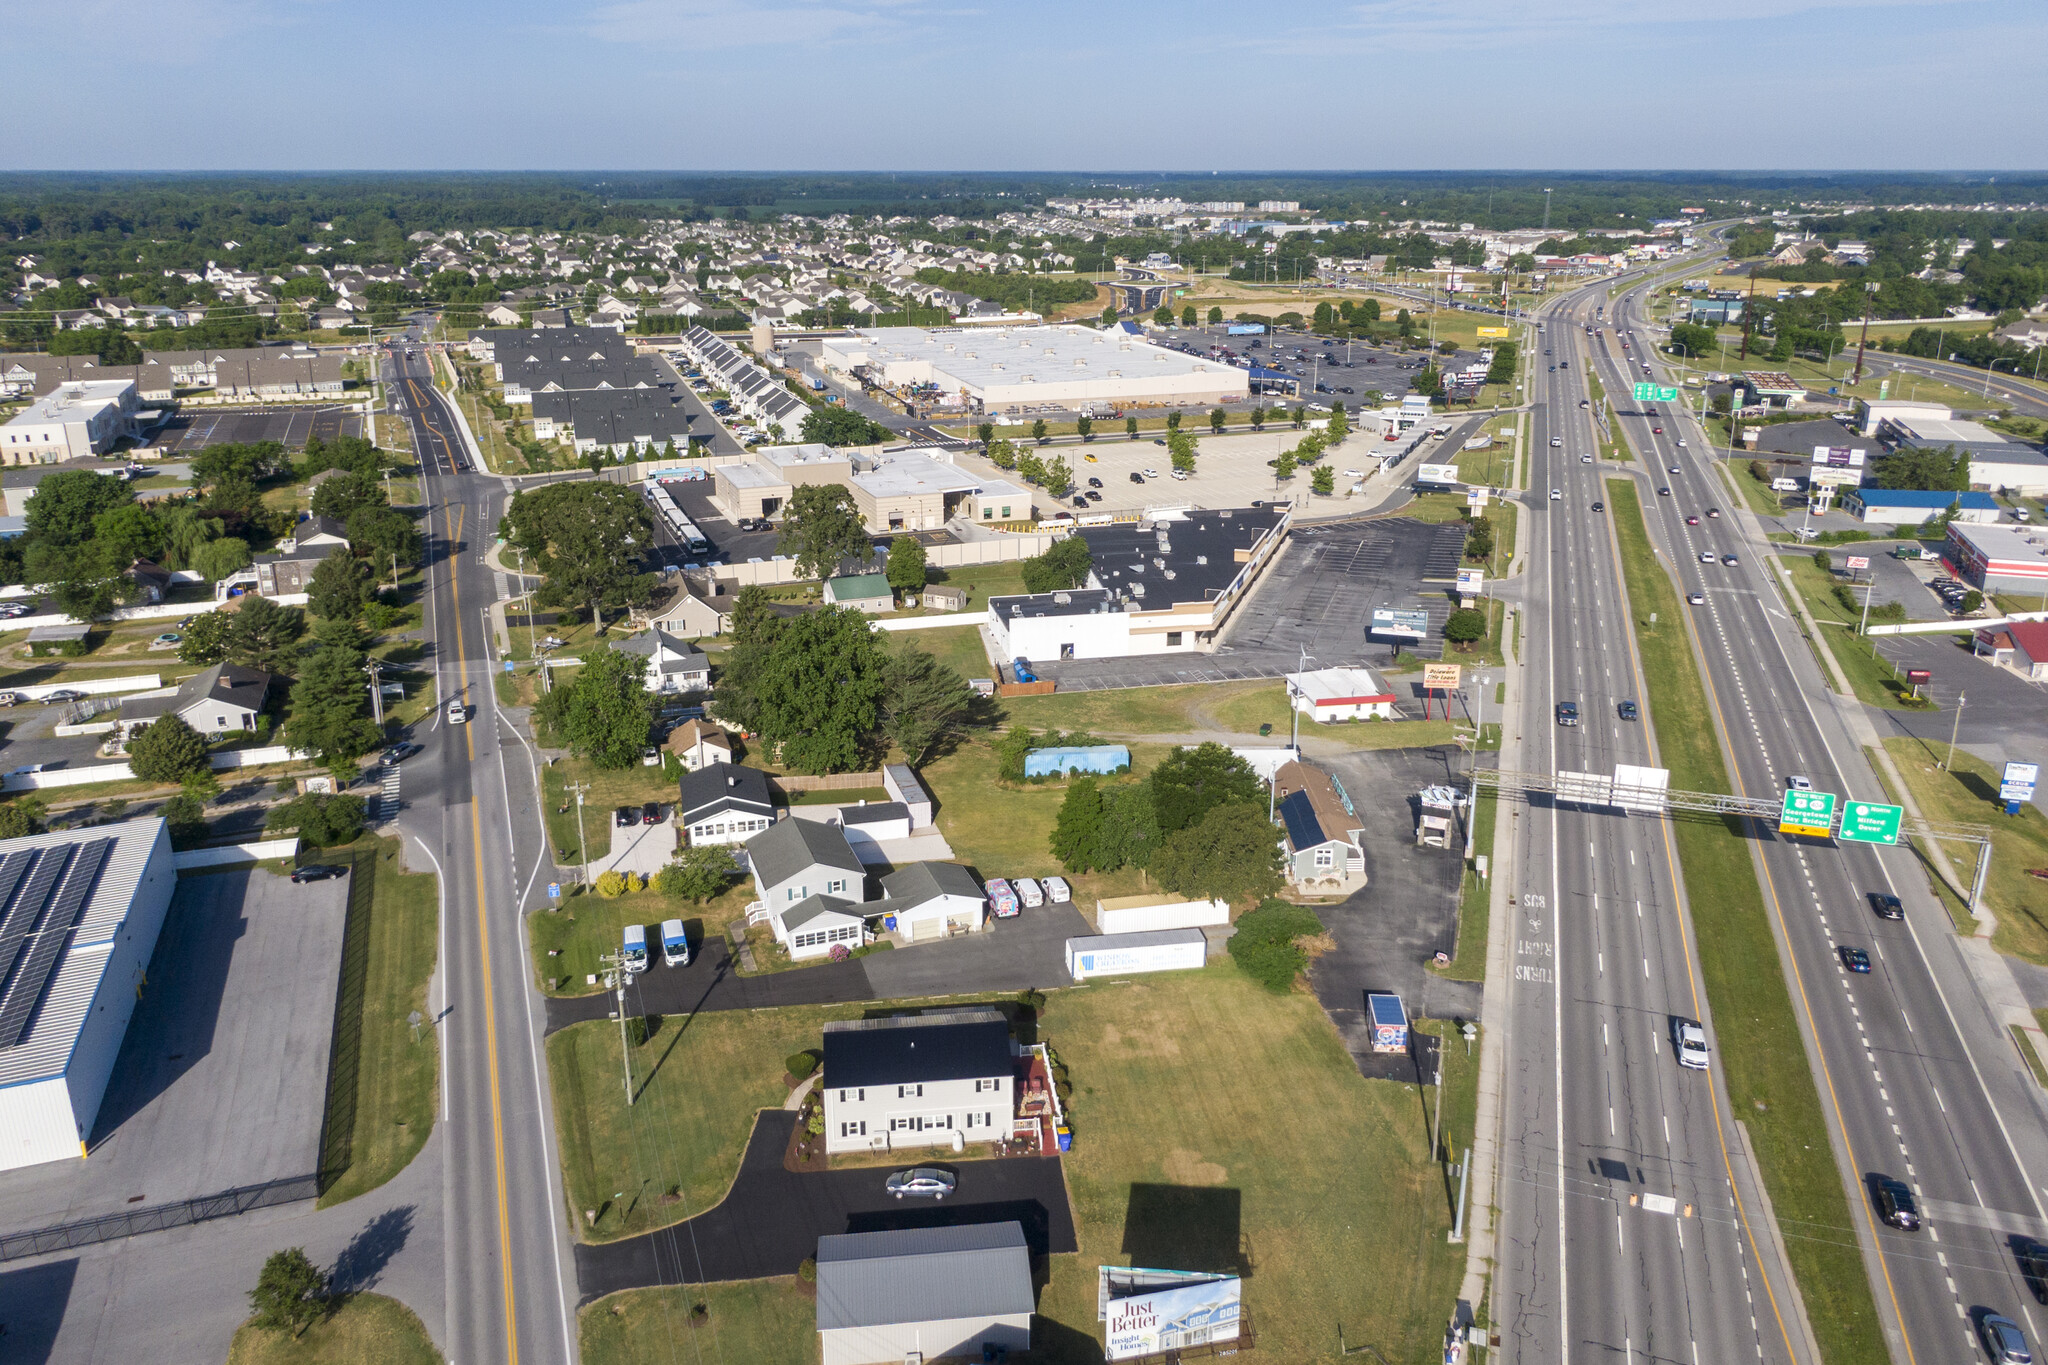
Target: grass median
column 365, row 1327
column 1763, row 1059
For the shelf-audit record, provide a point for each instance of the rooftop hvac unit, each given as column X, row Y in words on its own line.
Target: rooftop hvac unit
column 1137, row 589
column 1170, row 574
column 1061, row 598
column 1158, row 562
column 1201, row 559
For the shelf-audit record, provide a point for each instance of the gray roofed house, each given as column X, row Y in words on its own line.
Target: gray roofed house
column 799, row 858
column 816, row 924
column 934, row 900
column 723, row 803
column 933, row 1293
column 221, row 698
column 673, row 664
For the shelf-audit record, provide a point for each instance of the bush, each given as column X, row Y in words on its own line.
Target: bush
column 637, row 1031
column 800, row 1064
column 323, row 820
column 1823, row 561
column 807, row 1270
column 1265, row 946
column 612, row 885
column 167, row 750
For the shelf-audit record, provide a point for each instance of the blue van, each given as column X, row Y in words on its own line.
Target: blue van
column 675, row 944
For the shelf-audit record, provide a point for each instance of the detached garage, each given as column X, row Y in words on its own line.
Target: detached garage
column 924, row 1294
column 79, row 916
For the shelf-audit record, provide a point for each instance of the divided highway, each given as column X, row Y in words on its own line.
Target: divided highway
column 1630, row 1226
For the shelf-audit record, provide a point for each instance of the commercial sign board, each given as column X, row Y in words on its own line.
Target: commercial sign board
column 1471, row 582
column 1641, row 789
column 1439, row 475
column 1919, row 677
column 1859, row 562
column 1829, row 477
column 1475, row 498
column 1441, row 677
column 1842, row 457
column 1808, row 812
column 1495, row 332
column 1244, row 329
column 2017, row 782
column 1147, row 1312
column 1867, row 822
column 1413, row 625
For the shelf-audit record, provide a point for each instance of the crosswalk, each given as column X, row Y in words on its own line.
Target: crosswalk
column 387, row 795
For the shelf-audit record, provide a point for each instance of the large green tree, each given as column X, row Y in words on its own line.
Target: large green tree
column 1935, row 471
column 820, row 690
column 68, row 503
column 265, row 635
column 330, row 714
column 754, row 625
column 834, row 425
column 340, row 585
column 290, row 1293
column 586, row 537
column 926, row 702
column 604, row 713
column 205, row 640
column 1232, row 853
column 382, row 534
column 821, row 527
column 1065, row 564
column 186, row 528
column 1077, row 832
column 216, row 559
column 698, row 873
column 906, row 564
column 128, row 533
column 167, row 750
column 1190, row 782
column 343, row 495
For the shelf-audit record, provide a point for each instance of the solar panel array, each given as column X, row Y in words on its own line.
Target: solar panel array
column 39, row 924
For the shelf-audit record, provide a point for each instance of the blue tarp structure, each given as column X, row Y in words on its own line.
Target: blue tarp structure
column 1097, row 758
column 1274, row 379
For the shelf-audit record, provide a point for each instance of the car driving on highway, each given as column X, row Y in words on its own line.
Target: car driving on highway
column 1690, row 1042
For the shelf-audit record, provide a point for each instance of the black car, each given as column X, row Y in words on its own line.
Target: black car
column 1599, row 507
column 650, row 814
column 1095, row 483
column 1567, row 713
column 1886, row 906
column 1895, row 1203
column 1856, row 960
column 1082, row 503
column 1093, row 496
column 625, row 815
column 2033, row 1259
column 1137, row 478
column 1627, row 710
column 317, row 872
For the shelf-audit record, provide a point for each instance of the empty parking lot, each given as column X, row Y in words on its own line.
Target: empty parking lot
column 198, row 428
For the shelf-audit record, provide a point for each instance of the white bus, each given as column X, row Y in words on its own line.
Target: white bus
column 684, row 529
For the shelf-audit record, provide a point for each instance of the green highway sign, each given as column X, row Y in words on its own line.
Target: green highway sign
column 1866, row 822
column 1655, row 393
column 1807, row 812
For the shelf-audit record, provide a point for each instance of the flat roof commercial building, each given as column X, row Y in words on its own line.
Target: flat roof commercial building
column 893, row 491
column 1995, row 462
column 1911, row 506
column 1998, row 558
column 1009, row 369
column 71, row 422
column 79, row 916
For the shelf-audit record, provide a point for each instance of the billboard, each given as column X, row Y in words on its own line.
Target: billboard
column 1830, row 476
column 1441, row 475
column 1841, row 457
column 1413, row 625
column 2017, row 782
column 1641, row 789
column 1919, row 677
column 1497, row 333
column 1471, row 582
column 1441, row 677
column 1147, row 1312
column 1244, row 329
column 1859, row 562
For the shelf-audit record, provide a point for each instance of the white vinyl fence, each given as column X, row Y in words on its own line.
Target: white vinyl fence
column 228, row 854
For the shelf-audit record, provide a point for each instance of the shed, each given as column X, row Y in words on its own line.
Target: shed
column 868, row 592
column 931, row 1293
column 1159, row 950
column 900, row 781
column 1094, row 758
column 874, row 822
column 938, row 598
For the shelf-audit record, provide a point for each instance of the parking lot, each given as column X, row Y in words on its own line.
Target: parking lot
column 1319, row 595
column 222, row 1078
column 194, row 429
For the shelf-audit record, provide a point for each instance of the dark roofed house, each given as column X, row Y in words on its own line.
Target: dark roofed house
column 918, row 1080
column 941, row 1293
column 222, row 698
column 152, row 581
column 723, row 803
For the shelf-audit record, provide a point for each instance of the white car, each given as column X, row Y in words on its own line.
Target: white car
column 1029, row 893
column 1681, row 443
column 457, row 712
column 1585, row 459
column 1556, row 493
column 1149, row 473
column 1690, row 1042
column 1557, row 440
column 1706, row 558
column 1056, row 890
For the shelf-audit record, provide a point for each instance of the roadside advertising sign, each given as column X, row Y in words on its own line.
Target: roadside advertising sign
column 1495, row 332
column 1413, row 625
column 1441, row 677
column 1470, row 582
column 1842, row 457
column 1859, row 562
column 1919, row 676
column 1440, row 475
column 2017, row 782
column 1867, row 822
column 1475, row 498
column 1166, row 1315
column 1807, row 812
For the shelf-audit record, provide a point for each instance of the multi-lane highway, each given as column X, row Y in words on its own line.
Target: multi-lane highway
column 1904, row 1094
column 1631, row 1227
column 470, row 803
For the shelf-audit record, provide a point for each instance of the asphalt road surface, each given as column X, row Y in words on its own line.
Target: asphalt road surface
column 1631, row 1226
column 1917, row 1079
column 471, row 806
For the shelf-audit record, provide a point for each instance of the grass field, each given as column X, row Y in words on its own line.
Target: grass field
column 394, row 1105
column 1969, row 794
column 1475, row 907
column 1763, row 1058
column 608, row 789
column 755, row 1320
column 1870, row 674
column 568, row 942
column 368, row 1329
column 1177, row 1160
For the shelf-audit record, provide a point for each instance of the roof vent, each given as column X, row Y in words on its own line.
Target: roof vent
column 1061, row 598
column 1201, row 559
column 1171, row 575
column 1137, row 589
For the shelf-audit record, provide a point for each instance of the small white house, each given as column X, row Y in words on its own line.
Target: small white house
column 933, row 900
column 1333, row 694
column 867, row 826
column 673, row 665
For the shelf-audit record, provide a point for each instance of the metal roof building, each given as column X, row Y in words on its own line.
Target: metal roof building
column 79, row 915
column 924, row 1294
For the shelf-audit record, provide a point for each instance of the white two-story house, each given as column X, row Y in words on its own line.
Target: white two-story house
column 947, row 1077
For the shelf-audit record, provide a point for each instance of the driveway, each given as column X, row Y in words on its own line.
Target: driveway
column 771, row 1218
column 1405, row 915
column 1016, row 954
column 640, row 848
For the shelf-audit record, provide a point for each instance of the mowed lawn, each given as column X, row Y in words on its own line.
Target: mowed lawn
column 753, row 1320
column 368, row 1329
column 1968, row 794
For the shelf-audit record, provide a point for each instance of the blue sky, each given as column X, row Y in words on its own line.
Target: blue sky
column 969, row 85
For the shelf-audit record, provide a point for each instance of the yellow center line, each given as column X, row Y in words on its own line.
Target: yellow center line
column 1691, row 981
column 484, row 945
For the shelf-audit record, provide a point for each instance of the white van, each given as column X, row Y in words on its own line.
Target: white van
column 1028, row 892
column 634, row 951
column 1056, row 890
column 675, row 944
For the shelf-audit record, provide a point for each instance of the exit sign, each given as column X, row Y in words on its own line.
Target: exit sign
column 1807, row 812
column 1866, row 822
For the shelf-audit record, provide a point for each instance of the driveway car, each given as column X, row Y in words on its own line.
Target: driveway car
column 650, row 814
column 1886, row 906
column 925, row 1182
column 625, row 815
column 64, row 694
column 1856, row 960
column 317, row 872
column 2003, row 1340
column 1690, row 1042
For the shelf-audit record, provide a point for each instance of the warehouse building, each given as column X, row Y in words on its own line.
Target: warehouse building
column 1007, row 370
column 1157, row 587
column 925, row 1294
column 1911, row 506
column 79, row 915
column 1995, row 462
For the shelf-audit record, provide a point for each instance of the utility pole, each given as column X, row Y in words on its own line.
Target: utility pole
column 582, row 844
column 1962, row 700
column 1748, row 316
column 1293, row 731
column 375, row 669
column 1479, row 735
column 1864, row 339
column 615, row 979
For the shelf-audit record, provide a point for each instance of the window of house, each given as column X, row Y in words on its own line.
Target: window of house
column 1326, row 857
column 1173, row 639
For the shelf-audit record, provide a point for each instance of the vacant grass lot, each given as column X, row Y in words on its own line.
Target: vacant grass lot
column 754, row 1320
column 958, row 647
column 394, row 1108
column 1969, row 794
column 1763, row 1058
column 608, row 790
column 1177, row 1159
column 368, row 1329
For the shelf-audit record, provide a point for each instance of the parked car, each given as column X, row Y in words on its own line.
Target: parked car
column 1002, row 901
column 650, row 814
column 925, row 1182
column 1056, row 890
column 10, row 698
column 650, row 757
column 1028, row 892
column 64, row 694
column 317, row 872
column 1137, row 477
column 625, row 815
